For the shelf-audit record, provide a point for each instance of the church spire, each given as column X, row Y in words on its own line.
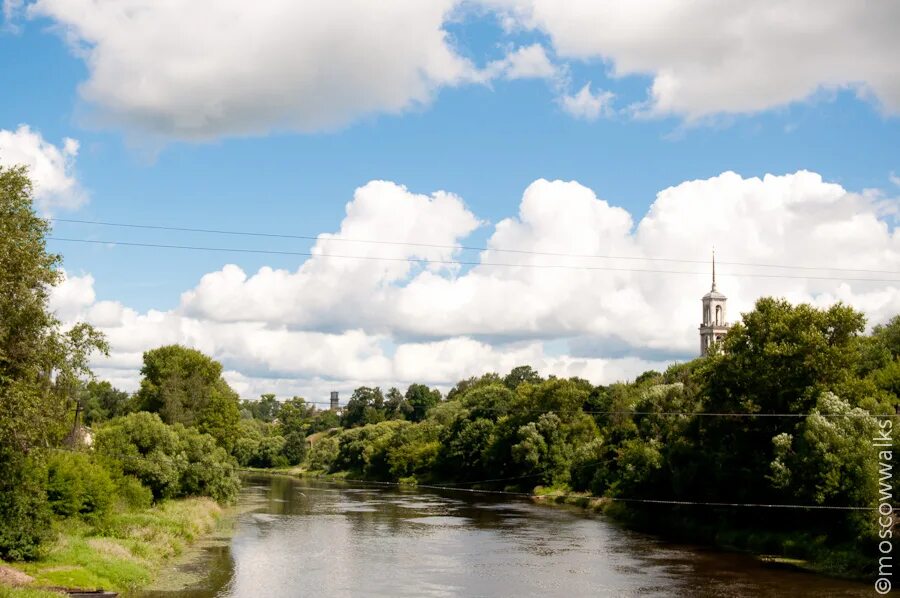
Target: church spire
column 714, row 268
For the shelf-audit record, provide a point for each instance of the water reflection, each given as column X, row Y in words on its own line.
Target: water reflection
column 309, row 538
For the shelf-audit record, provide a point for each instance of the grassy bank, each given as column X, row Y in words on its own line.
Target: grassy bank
column 122, row 552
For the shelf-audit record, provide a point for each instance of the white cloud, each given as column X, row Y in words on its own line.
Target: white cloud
column 51, row 168
column 728, row 56
column 226, row 67
column 344, row 322
column 587, row 105
column 894, row 179
column 212, row 68
column 526, row 62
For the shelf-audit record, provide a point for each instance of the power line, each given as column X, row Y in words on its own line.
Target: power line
column 464, row 247
column 450, row 262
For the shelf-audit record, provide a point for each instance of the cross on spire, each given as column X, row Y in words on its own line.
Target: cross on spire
column 714, row 268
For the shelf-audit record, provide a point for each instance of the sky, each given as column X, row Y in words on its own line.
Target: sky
column 440, row 189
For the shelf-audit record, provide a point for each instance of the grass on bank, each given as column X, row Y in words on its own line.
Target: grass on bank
column 121, row 552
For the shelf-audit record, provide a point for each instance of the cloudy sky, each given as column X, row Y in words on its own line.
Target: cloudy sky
column 445, row 188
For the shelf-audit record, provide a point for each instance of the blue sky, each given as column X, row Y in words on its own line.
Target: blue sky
column 483, row 141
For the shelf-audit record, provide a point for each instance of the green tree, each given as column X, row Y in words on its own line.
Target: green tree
column 396, row 406
column 521, row 374
column 101, row 401
column 295, row 416
column 265, row 408
column 366, row 406
column 39, row 366
column 185, row 386
column 420, row 399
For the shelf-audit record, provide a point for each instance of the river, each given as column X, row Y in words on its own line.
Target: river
column 303, row 537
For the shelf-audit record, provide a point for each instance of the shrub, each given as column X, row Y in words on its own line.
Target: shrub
column 171, row 461
column 323, row 453
column 141, row 445
column 294, row 448
column 133, row 494
column 268, row 453
column 76, row 485
column 245, row 449
column 210, row 471
column 24, row 514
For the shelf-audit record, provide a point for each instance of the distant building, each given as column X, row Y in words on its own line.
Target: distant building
column 334, row 400
column 714, row 325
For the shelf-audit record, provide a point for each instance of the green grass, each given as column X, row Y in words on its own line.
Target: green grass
column 122, row 552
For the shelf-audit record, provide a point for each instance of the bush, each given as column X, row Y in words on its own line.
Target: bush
column 171, row 461
column 268, row 453
column 323, row 453
column 141, row 445
column 133, row 494
column 76, row 485
column 210, row 471
column 294, row 448
column 245, row 449
column 24, row 513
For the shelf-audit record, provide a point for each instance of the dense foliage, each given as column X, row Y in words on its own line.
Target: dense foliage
column 48, row 470
column 40, row 366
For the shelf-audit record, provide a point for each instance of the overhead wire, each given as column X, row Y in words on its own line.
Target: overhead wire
column 457, row 246
column 452, row 262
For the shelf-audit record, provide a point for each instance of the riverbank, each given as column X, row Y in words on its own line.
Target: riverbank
column 124, row 551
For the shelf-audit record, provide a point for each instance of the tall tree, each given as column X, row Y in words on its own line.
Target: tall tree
column 185, row 386
column 39, row 365
column 421, row 399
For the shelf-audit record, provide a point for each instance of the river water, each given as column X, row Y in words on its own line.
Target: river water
column 306, row 538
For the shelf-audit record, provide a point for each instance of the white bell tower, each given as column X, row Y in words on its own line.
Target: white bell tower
column 713, row 326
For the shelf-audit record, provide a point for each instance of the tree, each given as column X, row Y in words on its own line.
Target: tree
column 521, row 374
column 295, row 416
column 366, row 406
column 101, row 401
column 185, row 386
column 781, row 359
column 396, row 406
column 421, row 399
column 294, row 421
column 265, row 408
column 39, row 366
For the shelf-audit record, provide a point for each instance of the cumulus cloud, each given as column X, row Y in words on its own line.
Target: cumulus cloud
column 539, row 294
column 727, row 56
column 587, row 105
column 219, row 67
column 51, row 167
column 214, row 68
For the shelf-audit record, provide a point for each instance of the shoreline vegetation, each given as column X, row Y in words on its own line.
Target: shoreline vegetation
column 125, row 553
